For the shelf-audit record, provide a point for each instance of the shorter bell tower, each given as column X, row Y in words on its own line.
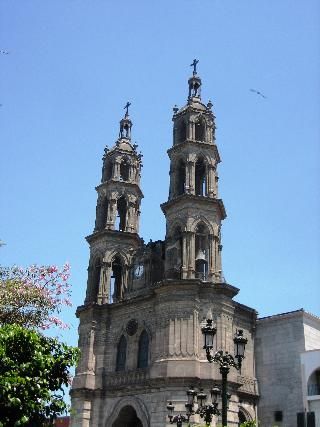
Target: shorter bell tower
column 115, row 236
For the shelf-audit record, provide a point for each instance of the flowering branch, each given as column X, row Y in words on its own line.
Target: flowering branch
column 34, row 296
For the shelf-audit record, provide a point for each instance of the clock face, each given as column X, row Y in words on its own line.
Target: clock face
column 138, row 271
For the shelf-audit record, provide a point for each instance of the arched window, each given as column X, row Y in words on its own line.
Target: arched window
column 107, row 170
column 96, row 278
column 121, row 354
column 200, row 178
column 121, row 214
column 101, row 214
column 116, row 280
column 182, row 131
column 314, row 383
column 124, row 170
column 181, row 178
column 143, row 351
column 242, row 418
column 201, row 252
column 200, row 130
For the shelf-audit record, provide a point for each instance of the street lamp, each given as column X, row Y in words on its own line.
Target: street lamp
column 225, row 360
column 178, row 419
column 205, row 410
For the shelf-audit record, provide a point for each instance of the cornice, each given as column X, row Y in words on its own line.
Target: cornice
column 180, row 200
column 195, row 144
column 113, row 183
column 123, row 235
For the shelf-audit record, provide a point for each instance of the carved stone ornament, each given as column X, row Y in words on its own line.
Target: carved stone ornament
column 132, row 327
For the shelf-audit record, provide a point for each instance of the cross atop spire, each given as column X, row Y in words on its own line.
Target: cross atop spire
column 194, row 65
column 194, row 81
column 126, row 107
column 125, row 123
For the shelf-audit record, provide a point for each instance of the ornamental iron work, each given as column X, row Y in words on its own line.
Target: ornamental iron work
column 197, row 405
column 224, row 359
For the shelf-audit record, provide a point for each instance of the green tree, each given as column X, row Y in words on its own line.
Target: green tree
column 34, row 369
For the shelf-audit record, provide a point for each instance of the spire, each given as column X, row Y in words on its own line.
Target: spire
column 125, row 124
column 194, row 82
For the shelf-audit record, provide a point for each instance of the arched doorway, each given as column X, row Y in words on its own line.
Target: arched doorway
column 243, row 416
column 127, row 418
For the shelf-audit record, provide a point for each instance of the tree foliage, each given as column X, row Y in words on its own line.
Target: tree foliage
column 248, row 424
column 34, row 296
column 33, row 371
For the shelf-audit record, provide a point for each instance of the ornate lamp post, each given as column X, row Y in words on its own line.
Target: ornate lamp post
column 225, row 360
column 206, row 411
column 178, row 419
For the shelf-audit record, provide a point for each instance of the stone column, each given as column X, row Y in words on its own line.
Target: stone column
column 208, row 134
column 184, row 268
column 105, row 282
column 191, row 254
column 100, row 290
column 216, row 179
column 187, row 178
column 192, row 177
column 211, row 263
column 116, row 170
column 91, row 356
column 124, row 280
column 130, row 173
column 210, row 181
column 191, row 130
column 111, row 215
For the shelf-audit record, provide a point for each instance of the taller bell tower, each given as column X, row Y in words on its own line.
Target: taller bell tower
column 194, row 210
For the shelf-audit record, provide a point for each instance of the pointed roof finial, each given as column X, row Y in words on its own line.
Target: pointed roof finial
column 194, row 81
column 194, row 65
column 126, row 107
column 125, row 123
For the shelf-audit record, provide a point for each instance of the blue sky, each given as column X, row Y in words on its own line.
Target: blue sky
column 72, row 66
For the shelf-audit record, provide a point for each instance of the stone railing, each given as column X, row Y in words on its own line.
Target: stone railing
column 124, row 378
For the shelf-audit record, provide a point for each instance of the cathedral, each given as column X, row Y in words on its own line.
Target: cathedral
column 141, row 322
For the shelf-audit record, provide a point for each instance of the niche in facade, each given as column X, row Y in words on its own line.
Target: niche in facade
column 200, row 130
column 174, row 253
column 121, row 354
column 116, row 280
column 181, row 178
column 124, row 170
column 182, row 131
column 102, row 212
column 107, row 170
column 143, row 350
column 200, row 178
column 121, row 214
column 201, row 252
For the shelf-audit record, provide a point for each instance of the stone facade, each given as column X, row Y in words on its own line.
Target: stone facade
column 283, row 346
column 140, row 325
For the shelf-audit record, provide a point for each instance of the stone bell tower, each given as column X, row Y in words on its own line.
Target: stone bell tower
column 194, row 211
column 115, row 235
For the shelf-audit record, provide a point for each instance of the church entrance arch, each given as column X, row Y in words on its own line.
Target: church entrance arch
column 129, row 411
column 243, row 416
column 127, row 418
